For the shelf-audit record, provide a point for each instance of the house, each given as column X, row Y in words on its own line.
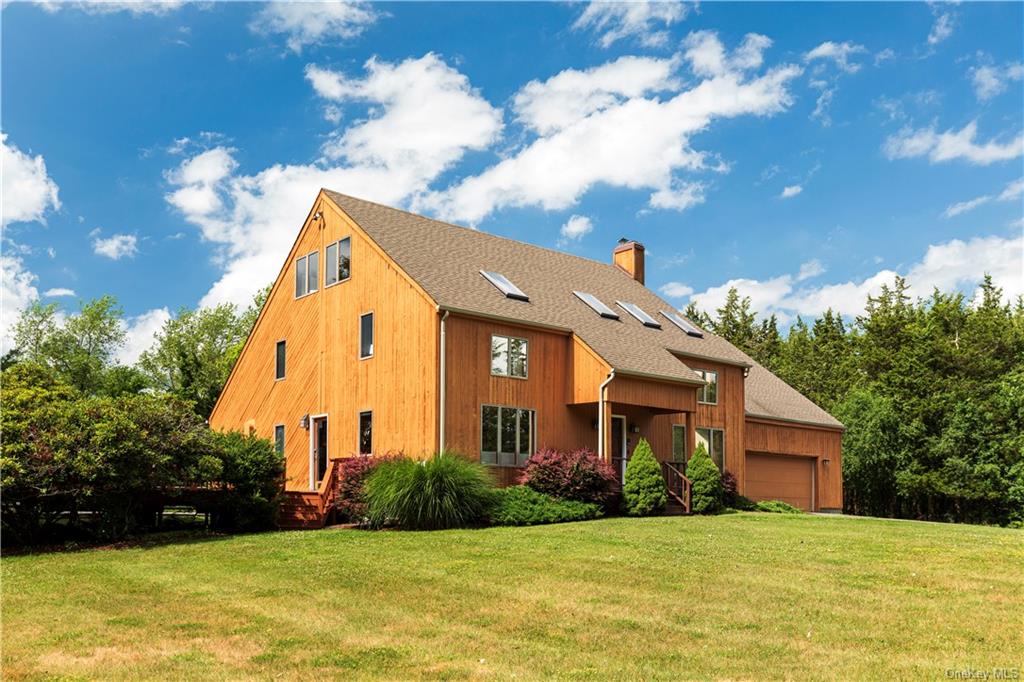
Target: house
column 387, row 331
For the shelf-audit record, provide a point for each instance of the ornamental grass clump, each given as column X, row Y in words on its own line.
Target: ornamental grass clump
column 444, row 491
column 643, row 487
column 705, row 482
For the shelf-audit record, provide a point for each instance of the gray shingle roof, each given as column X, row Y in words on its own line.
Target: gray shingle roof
column 446, row 261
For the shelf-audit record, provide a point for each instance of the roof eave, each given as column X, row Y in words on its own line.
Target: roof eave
column 806, row 422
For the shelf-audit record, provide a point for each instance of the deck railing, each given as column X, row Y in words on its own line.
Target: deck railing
column 677, row 483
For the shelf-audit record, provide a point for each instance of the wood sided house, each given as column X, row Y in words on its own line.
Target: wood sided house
column 387, row 331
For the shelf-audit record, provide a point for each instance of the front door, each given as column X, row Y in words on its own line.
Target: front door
column 618, row 446
column 320, row 447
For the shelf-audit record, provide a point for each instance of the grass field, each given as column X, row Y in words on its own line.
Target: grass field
column 738, row 596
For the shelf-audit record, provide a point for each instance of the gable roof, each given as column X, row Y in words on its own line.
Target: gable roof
column 446, row 260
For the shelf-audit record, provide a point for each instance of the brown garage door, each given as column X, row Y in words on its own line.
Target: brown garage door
column 777, row 477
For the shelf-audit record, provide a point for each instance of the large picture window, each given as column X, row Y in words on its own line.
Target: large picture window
column 338, row 255
column 714, row 442
column 508, row 356
column 708, row 393
column 307, row 274
column 508, row 435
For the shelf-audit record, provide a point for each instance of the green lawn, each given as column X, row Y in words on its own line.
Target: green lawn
column 736, row 596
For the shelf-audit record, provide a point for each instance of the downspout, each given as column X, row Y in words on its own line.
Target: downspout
column 600, row 414
column 441, row 389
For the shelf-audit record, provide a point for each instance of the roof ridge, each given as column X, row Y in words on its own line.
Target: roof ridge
column 480, row 232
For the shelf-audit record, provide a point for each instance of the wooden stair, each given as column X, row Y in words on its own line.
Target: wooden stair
column 309, row 509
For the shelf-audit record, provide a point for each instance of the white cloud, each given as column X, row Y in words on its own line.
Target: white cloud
column 424, row 116
column 641, row 20
column 638, row 142
column 140, row 333
column 947, row 146
column 134, row 7
column 942, row 28
column 811, row 268
column 1012, row 191
column 28, row 192
column 675, row 290
column 17, row 290
column 574, row 229
column 116, row 247
column 885, row 55
column 953, row 265
column 790, row 191
column 839, row 53
column 59, row 292
column 314, row 23
column 990, row 80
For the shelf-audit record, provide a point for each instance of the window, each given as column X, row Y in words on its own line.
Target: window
column 507, row 435
column 279, row 439
column 678, row 442
column 708, row 393
column 597, row 305
column 365, row 336
column 279, row 364
column 505, row 286
column 714, row 442
column 366, row 433
column 337, row 257
column 684, row 324
column 307, row 274
column 508, row 356
column 638, row 312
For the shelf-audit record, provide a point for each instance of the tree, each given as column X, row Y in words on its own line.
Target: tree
column 643, row 486
column 736, row 322
column 705, row 482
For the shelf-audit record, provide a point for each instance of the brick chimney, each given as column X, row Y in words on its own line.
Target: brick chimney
column 629, row 255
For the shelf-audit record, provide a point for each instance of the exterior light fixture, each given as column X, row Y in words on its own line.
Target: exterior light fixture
column 633, row 428
column 746, row 372
column 304, row 422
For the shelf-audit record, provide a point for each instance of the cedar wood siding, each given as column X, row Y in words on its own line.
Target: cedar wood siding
column 776, row 437
column 727, row 414
column 323, row 370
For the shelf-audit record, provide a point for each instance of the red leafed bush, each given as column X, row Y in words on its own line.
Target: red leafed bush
column 349, row 500
column 574, row 475
column 729, row 489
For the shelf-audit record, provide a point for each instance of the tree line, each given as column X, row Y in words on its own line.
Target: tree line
column 931, row 392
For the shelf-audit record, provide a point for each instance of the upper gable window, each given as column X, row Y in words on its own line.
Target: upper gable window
column 638, row 312
column 597, row 305
column 684, row 324
column 365, row 336
column 508, row 356
column 505, row 286
column 279, row 359
column 709, row 391
column 307, row 274
column 337, row 267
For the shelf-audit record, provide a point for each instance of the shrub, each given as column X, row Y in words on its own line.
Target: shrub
column 643, row 488
column 445, row 491
column 250, row 482
column 776, row 507
column 730, row 490
column 743, row 503
column 574, row 475
column 523, row 506
column 350, row 493
column 706, row 482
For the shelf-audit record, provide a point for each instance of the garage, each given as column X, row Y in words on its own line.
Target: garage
column 778, row 477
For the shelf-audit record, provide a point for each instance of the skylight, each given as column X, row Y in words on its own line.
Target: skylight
column 596, row 305
column 504, row 285
column 684, row 324
column 637, row 312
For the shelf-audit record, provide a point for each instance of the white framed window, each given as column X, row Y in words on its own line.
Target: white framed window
column 366, row 433
column 708, row 393
column 279, row 360
column 365, row 336
column 679, row 442
column 509, row 356
column 713, row 441
column 338, row 260
column 507, row 435
column 279, row 439
column 307, row 274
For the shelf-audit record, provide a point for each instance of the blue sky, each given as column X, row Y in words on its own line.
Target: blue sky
column 167, row 153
